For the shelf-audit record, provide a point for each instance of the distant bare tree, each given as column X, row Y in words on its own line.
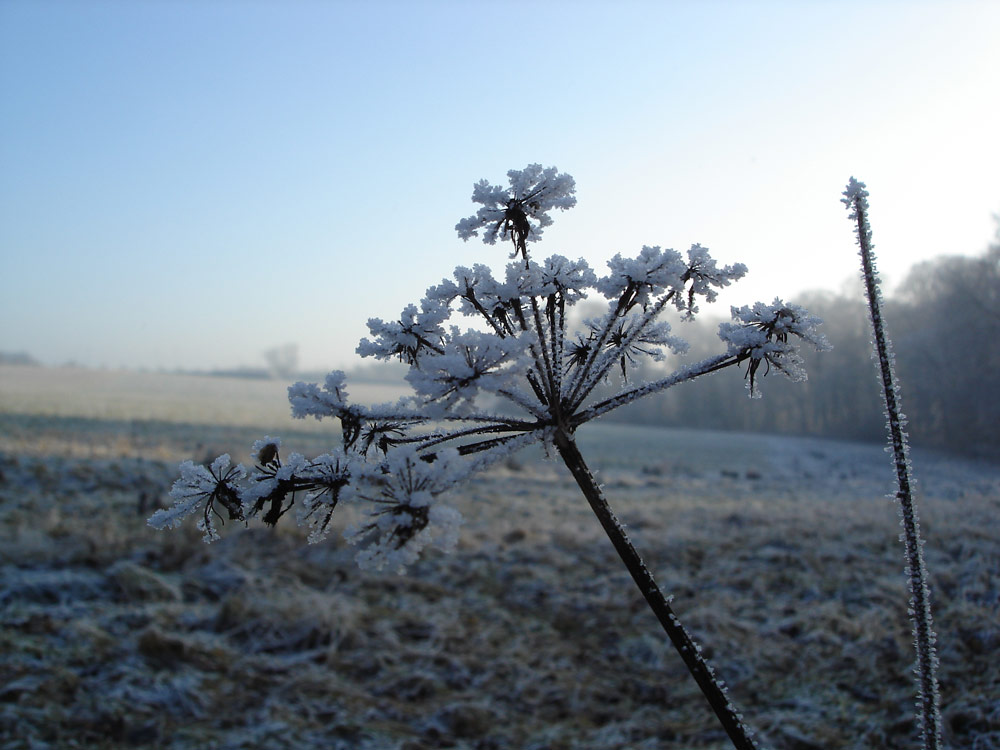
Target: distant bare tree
column 947, row 343
column 282, row 361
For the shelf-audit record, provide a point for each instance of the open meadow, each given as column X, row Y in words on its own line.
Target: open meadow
column 781, row 553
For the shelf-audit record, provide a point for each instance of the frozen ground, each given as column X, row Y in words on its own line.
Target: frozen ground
column 781, row 553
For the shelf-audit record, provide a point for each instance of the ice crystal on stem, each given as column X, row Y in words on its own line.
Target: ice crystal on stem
column 523, row 374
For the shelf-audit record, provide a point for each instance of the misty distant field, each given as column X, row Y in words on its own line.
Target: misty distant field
column 782, row 555
column 127, row 395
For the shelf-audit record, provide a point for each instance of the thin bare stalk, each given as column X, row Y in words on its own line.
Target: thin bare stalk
column 928, row 696
column 703, row 674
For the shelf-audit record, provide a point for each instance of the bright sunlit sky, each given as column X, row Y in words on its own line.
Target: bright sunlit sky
column 188, row 184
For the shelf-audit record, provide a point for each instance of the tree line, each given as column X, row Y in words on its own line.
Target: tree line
column 944, row 322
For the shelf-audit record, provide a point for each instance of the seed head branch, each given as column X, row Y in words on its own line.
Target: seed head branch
column 689, row 372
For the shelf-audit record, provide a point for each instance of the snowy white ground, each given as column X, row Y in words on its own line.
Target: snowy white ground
column 781, row 553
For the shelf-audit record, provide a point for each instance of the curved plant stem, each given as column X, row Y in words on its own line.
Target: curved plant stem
column 703, row 674
column 928, row 700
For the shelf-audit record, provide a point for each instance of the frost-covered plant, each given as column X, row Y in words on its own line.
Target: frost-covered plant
column 523, row 374
column 928, row 696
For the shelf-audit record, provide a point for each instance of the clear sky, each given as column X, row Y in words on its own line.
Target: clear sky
column 188, row 184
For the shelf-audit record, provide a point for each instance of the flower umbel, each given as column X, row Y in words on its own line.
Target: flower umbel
column 520, row 212
column 761, row 336
column 201, row 487
column 406, row 514
column 524, row 373
column 327, row 481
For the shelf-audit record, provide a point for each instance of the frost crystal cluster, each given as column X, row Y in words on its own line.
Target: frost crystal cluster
column 494, row 367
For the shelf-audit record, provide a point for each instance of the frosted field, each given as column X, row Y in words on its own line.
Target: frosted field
column 781, row 553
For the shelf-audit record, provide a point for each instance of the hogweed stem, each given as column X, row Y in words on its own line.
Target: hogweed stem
column 928, row 696
column 704, row 675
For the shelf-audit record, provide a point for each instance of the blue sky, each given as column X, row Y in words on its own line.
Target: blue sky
column 188, row 184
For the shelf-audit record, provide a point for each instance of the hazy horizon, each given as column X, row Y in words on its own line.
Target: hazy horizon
column 190, row 185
